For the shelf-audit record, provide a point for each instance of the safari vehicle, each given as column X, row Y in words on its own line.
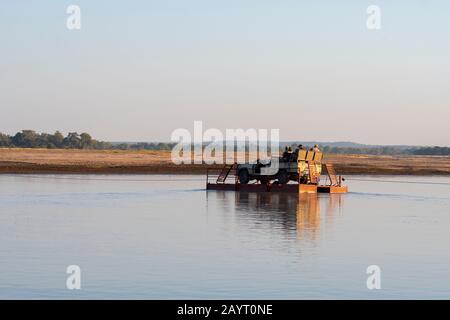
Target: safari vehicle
column 301, row 166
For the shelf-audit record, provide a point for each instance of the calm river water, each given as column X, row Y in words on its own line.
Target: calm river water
column 166, row 237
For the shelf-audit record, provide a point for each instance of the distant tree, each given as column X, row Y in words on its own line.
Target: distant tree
column 72, row 140
column 5, row 140
column 163, row 146
column 85, row 140
column 432, row 151
column 56, row 139
column 122, row 146
column 26, row 139
column 101, row 145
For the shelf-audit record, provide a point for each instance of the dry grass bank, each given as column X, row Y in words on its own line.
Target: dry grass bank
column 18, row 160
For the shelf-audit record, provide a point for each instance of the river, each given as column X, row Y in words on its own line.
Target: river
column 165, row 237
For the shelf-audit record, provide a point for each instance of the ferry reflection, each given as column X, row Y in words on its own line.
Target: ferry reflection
column 291, row 213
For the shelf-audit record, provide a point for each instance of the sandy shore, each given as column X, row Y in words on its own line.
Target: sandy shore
column 158, row 162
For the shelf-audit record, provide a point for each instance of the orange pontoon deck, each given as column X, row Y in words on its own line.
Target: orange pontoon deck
column 218, row 182
column 256, row 187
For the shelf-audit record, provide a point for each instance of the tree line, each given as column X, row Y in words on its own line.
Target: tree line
column 390, row 150
column 73, row 140
column 382, row 150
column 32, row 139
column 438, row 151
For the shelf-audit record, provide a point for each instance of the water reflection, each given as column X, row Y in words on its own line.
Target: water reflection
column 308, row 216
column 301, row 215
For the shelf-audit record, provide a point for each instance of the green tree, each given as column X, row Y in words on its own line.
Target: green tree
column 56, row 139
column 26, row 139
column 72, row 140
column 5, row 140
column 85, row 140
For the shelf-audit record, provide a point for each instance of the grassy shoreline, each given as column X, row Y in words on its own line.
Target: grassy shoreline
column 74, row 161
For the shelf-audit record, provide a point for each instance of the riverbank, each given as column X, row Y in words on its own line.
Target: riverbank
column 55, row 161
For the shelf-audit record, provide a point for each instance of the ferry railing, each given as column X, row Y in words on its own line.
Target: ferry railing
column 212, row 175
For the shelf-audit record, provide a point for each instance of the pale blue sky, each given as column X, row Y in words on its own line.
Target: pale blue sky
column 137, row 70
